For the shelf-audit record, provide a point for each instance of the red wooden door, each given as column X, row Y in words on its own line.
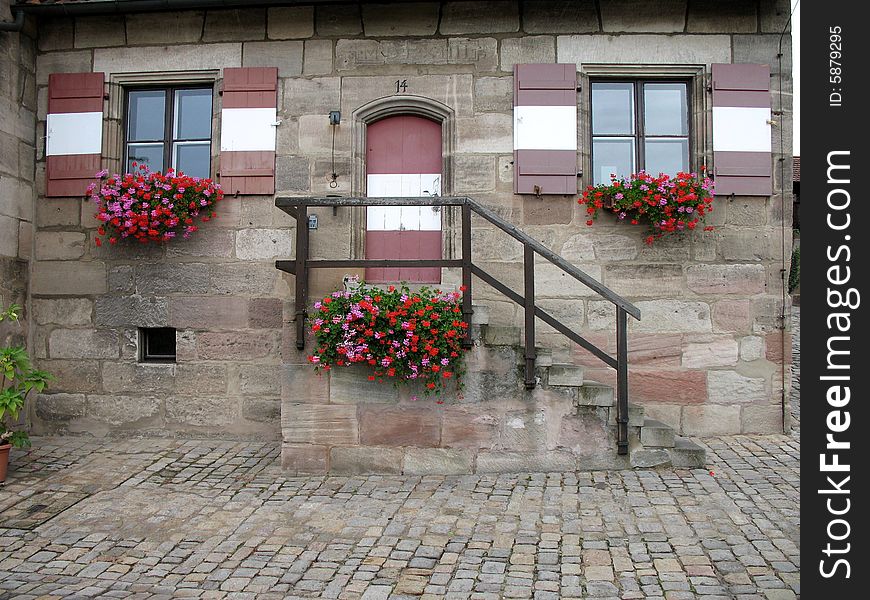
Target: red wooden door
column 403, row 158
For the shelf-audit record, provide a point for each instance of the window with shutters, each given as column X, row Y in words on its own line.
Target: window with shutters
column 169, row 127
column 640, row 125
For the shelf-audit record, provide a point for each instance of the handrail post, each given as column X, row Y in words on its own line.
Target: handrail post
column 529, row 290
column 466, row 273
column 301, row 273
column 621, row 380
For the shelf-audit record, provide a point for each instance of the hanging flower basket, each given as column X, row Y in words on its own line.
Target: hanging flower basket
column 402, row 336
column 151, row 206
column 666, row 205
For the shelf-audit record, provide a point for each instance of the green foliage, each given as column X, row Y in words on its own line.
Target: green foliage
column 18, row 379
column 794, row 275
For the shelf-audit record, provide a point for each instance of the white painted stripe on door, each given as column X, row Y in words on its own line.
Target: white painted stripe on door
column 248, row 129
column 545, row 128
column 73, row 133
column 403, row 218
column 741, row 129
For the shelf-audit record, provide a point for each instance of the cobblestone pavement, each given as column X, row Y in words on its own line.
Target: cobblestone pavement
column 162, row 518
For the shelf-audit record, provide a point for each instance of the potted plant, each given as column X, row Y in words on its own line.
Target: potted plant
column 666, row 205
column 17, row 379
column 151, row 206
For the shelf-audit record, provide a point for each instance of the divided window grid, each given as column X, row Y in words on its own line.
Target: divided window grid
column 169, row 127
column 640, row 125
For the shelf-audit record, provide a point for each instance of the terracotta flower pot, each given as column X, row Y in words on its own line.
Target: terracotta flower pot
column 4, row 460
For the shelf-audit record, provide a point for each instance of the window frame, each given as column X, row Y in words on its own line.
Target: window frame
column 169, row 140
column 639, row 136
column 145, row 353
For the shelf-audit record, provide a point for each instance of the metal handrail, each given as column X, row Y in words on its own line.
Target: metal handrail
column 298, row 209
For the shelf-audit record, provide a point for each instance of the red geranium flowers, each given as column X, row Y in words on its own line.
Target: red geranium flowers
column 151, row 206
column 401, row 335
column 667, row 205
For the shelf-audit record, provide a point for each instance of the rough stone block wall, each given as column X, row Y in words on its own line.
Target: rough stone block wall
column 17, row 139
column 706, row 357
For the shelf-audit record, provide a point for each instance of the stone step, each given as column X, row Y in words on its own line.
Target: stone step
column 635, row 415
column 543, row 357
column 655, row 434
column 647, row 458
column 501, row 335
column 594, row 394
column 480, row 316
column 687, row 454
column 565, row 375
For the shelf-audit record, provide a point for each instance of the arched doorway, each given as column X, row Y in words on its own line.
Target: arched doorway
column 404, row 158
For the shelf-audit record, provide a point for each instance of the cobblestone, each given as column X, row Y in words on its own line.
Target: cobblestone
column 206, row 519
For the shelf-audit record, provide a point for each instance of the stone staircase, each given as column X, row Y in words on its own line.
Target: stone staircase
column 651, row 442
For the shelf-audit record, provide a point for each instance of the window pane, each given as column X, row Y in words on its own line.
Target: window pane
column 192, row 158
column 668, row 156
column 146, row 116
column 612, row 156
column 665, row 109
column 612, row 108
column 193, row 114
column 149, row 154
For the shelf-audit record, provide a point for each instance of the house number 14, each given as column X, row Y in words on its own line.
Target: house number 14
column 401, row 85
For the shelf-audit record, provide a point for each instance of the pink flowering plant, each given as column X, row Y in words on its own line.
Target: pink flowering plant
column 151, row 206
column 402, row 336
column 666, row 205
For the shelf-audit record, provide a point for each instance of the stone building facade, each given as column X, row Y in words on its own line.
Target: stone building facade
column 706, row 358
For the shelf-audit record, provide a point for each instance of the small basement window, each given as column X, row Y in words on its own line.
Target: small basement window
column 157, row 344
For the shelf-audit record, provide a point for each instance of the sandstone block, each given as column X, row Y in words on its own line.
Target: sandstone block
column 265, row 313
column 363, row 460
column 352, row 386
column 79, row 376
column 209, row 241
column 672, row 316
column 463, row 429
column 183, row 57
column 57, row 212
column 643, row 49
column 318, row 95
column 171, row 278
column 318, row 57
column 65, row 278
column 726, row 279
column 208, row 312
column 55, row 34
column 59, row 245
column 263, row 244
column 530, row 49
column 262, row 410
column 666, row 386
column 438, row 461
column 493, row 94
column 301, row 384
column 645, row 458
column 235, row 25
column 291, row 22
column 730, row 387
column 121, row 279
column 408, row 19
column 636, row 16
column 338, row 20
column 482, row 53
column 201, row 411
column 122, row 410
column 465, row 17
column 237, row 346
column 260, row 380
column 78, row 61
column 399, row 426
column 287, row 56
column 521, row 462
column 717, row 353
column 711, row 419
column 733, row 316
column 670, row 414
column 751, row 348
column 102, row 31
column 762, row 418
column 63, row 311
column 731, row 17
column 474, row 173
column 138, row 378
column 201, row 379
column 83, row 343
column 60, row 407
column 645, row 280
column 559, row 16
column 304, row 459
column 292, row 176
column 316, row 424
column 177, row 27
column 240, row 278
column 131, row 311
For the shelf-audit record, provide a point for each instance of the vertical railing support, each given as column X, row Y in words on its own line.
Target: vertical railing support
column 622, row 380
column 466, row 272
column 301, row 273
column 529, row 290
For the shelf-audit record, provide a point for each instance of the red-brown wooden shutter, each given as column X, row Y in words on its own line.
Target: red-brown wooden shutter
column 545, row 129
column 74, row 132
column 248, row 130
column 742, row 161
